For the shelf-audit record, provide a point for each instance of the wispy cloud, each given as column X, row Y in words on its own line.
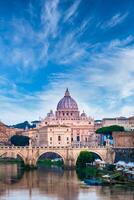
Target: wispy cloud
column 117, row 43
column 50, row 17
column 98, row 71
column 112, row 71
column 114, row 21
column 105, row 82
column 69, row 49
column 71, row 11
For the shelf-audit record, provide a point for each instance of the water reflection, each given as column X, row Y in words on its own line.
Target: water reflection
column 54, row 184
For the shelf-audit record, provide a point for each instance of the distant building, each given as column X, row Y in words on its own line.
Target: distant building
column 123, row 139
column 127, row 123
column 5, row 133
column 66, row 126
column 97, row 125
column 131, row 123
column 55, row 135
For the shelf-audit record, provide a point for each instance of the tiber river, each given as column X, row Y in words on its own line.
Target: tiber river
column 53, row 184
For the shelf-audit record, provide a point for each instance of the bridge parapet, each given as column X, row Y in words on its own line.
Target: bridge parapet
column 31, row 154
column 50, row 147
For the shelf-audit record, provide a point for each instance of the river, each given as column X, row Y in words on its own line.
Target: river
column 53, row 184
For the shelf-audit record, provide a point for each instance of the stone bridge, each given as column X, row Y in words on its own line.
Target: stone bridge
column 30, row 155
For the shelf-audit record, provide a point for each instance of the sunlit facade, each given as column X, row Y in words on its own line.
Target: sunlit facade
column 6, row 133
column 67, row 117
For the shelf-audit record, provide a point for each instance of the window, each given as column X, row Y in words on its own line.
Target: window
column 72, row 139
column 67, row 138
column 50, row 138
column 59, row 138
column 78, row 138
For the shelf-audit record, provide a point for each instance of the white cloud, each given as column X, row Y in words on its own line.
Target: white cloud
column 98, row 81
column 121, row 43
column 127, row 110
column 111, row 70
column 119, row 71
column 50, row 18
column 68, row 49
column 114, row 21
column 71, row 11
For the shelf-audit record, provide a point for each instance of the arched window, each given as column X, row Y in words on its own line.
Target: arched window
column 59, row 138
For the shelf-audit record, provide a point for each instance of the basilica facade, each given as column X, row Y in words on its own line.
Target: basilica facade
column 67, row 126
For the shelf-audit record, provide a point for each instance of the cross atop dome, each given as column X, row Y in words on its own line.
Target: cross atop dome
column 67, row 94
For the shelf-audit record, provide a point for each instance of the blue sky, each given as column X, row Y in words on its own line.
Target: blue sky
column 49, row 45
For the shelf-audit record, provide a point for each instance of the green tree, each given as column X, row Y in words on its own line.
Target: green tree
column 19, row 140
column 83, row 158
column 109, row 129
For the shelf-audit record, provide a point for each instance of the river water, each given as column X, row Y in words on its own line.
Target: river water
column 53, row 184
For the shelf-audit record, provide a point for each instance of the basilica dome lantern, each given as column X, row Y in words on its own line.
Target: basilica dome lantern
column 67, row 108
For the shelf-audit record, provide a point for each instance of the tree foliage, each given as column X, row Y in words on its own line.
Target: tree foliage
column 24, row 125
column 83, row 158
column 19, row 140
column 109, row 129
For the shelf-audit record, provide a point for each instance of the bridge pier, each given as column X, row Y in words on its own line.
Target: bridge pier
column 30, row 164
column 110, row 155
column 69, row 164
column 30, row 160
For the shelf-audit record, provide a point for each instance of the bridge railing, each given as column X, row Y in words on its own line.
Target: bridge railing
column 53, row 147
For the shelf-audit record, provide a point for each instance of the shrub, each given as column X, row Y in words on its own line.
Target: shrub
column 19, row 140
column 83, row 158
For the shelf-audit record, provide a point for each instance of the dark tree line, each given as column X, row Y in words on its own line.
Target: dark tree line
column 19, row 140
column 83, row 158
column 109, row 129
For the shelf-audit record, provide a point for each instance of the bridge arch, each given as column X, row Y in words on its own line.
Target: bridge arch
column 12, row 154
column 54, row 152
column 22, row 157
column 90, row 151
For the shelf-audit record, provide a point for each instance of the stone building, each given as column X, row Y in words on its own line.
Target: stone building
column 55, row 135
column 123, row 139
column 5, row 133
column 67, row 117
column 131, row 123
column 127, row 123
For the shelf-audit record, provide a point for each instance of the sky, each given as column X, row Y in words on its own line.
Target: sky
column 47, row 46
